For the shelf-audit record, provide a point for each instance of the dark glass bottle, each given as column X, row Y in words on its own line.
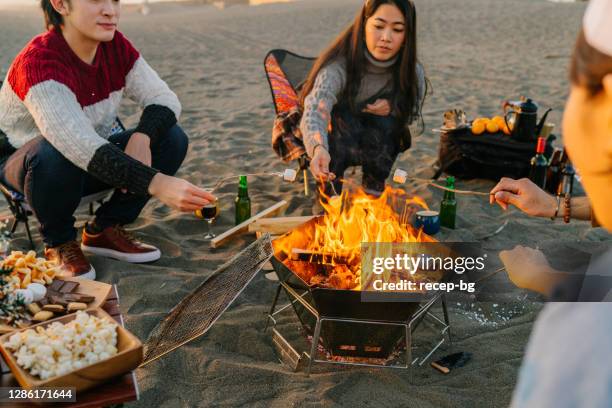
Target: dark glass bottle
column 539, row 165
column 553, row 174
column 448, row 207
column 243, row 202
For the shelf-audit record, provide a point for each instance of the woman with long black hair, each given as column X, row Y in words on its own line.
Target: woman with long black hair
column 367, row 87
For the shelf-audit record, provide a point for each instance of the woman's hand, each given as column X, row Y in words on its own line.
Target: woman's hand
column 319, row 165
column 381, row 107
column 529, row 269
column 178, row 193
column 524, row 195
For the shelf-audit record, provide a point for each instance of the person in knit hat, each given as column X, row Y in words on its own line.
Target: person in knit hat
column 566, row 363
column 59, row 140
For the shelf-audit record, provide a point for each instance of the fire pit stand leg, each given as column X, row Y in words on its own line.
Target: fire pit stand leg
column 315, row 345
column 409, row 345
column 274, row 302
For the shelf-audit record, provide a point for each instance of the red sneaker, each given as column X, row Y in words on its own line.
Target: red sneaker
column 72, row 260
column 117, row 243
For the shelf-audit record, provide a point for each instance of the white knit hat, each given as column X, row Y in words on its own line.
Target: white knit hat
column 597, row 25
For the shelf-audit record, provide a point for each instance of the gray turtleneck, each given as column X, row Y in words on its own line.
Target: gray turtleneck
column 330, row 83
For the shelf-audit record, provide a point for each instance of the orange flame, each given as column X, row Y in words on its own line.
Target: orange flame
column 350, row 220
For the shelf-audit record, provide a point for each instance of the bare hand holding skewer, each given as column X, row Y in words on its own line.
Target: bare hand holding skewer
column 319, row 165
column 179, row 194
column 524, row 195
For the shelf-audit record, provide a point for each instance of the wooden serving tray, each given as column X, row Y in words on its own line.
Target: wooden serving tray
column 128, row 357
column 99, row 290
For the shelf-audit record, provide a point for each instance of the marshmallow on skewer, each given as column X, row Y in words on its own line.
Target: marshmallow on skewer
column 289, row 175
column 400, row 176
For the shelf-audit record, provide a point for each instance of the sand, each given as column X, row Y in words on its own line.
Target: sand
column 476, row 53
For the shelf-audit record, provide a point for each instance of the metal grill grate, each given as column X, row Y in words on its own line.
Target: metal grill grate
column 197, row 312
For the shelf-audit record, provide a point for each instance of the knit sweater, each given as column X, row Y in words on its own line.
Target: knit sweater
column 50, row 92
column 330, row 83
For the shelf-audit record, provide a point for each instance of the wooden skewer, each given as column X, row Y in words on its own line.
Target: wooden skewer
column 466, row 192
column 431, row 183
column 224, row 179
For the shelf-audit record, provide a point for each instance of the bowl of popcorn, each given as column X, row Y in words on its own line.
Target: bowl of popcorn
column 80, row 350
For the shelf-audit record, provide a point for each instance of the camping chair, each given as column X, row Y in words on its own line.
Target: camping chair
column 21, row 209
column 286, row 73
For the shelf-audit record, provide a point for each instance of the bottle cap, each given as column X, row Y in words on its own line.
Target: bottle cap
column 541, row 145
column 242, row 182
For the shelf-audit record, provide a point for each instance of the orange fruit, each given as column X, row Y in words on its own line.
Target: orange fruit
column 501, row 122
column 505, row 129
column 478, row 127
column 492, row 127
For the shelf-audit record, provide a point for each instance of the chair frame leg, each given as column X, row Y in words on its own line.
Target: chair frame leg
column 14, row 224
column 29, row 233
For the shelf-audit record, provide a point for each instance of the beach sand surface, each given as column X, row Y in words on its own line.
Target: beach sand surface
column 476, row 54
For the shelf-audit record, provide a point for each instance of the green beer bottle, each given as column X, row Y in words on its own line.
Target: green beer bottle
column 243, row 202
column 448, row 207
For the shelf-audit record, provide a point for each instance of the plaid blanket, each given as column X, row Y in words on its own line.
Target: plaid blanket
column 286, row 135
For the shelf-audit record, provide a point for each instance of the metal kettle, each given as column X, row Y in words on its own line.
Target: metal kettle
column 522, row 118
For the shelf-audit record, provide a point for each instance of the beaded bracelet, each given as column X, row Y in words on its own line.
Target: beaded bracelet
column 567, row 210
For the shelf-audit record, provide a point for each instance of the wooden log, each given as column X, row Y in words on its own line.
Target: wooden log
column 268, row 212
column 279, row 225
column 305, row 255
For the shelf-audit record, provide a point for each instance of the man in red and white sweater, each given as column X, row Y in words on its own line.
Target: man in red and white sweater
column 58, row 109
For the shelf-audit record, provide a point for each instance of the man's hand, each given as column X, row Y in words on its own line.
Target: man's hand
column 524, row 195
column 529, row 269
column 319, row 165
column 179, row 194
column 380, row 107
column 139, row 148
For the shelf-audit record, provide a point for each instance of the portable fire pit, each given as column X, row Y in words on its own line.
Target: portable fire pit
column 343, row 328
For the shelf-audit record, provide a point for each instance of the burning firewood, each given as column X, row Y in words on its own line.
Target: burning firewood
column 317, row 257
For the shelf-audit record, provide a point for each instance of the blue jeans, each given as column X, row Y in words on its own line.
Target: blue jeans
column 53, row 186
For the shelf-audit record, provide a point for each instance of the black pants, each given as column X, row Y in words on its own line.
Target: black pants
column 53, row 186
column 365, row 140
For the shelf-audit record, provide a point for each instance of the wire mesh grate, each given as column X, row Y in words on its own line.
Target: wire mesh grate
column 199, row 310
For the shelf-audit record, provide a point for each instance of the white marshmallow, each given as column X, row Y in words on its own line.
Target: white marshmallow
column 39, row 291
column 289, row 175
column 400, row 176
